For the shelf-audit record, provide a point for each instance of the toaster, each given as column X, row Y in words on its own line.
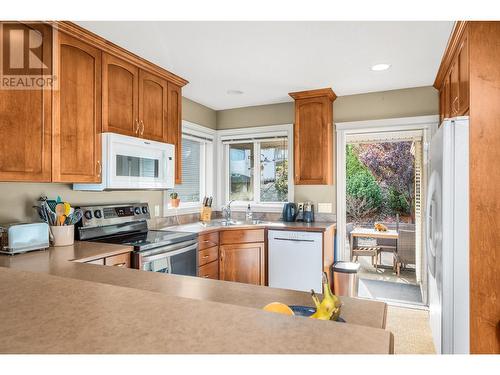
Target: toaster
column 22, row 237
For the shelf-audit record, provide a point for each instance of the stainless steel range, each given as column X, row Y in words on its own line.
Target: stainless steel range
column 154, row 250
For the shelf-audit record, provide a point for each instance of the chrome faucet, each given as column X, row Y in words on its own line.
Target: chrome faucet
column 226, row 211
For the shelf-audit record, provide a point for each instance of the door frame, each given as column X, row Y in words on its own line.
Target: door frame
column 427, row 124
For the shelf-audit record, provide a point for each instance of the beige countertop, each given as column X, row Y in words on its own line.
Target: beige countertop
column 49, row 314
column 360, row 314
column 198, row 227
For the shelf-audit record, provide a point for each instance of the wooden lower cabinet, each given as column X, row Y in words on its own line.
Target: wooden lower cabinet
column 120, row 260
column 243, row 262
column 209, row 270
column 208, row 255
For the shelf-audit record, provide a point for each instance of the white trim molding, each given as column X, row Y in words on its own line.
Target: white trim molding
column 200, row 133
column 426, row 125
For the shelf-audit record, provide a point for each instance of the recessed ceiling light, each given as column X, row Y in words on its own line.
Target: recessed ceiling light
column 234, row 92
column 380, row 67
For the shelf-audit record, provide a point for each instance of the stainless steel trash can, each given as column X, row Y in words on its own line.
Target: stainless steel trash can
column 345, row 278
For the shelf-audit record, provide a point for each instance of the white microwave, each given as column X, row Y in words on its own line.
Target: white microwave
column 130, row 163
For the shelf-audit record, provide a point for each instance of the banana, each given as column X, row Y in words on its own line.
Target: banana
column 329, row 308
column 315, row 299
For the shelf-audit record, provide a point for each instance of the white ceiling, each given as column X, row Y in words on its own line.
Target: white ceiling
column 267, row 60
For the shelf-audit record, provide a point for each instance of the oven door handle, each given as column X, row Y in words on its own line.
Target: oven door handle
column 169, row 254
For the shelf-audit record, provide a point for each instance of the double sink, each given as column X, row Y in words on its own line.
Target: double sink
column 228, row 223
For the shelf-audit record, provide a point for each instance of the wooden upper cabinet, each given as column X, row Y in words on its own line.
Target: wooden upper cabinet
column 26, row 117
column 242, row 263
column 452, row 79
column 153, row 104
column 313, row 137
column 120, row 96
column 76, row 152
column 463, row 74
column 454, row 85
column 174, row 136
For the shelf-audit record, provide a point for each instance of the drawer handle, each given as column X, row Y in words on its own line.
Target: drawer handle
column 119, row 264
column 205, row 256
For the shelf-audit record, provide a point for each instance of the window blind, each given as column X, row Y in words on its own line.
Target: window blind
column 189, row 190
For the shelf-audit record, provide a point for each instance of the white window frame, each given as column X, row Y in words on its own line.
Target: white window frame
column 207, row 181
column 247, row 134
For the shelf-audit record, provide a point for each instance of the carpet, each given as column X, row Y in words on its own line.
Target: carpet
column 389, row 291
column 411, row 330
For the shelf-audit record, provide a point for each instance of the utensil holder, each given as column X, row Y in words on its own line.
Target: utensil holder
column 206, row 214
column 63, row 235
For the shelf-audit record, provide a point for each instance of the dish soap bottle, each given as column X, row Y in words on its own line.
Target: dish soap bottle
column 249, row 214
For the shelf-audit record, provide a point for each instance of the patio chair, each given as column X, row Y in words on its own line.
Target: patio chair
column 388, row 245
column 406, row 249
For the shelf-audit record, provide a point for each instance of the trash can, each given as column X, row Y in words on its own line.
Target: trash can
column 345, row 278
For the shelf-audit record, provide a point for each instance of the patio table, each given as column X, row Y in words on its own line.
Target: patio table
column 372, row 233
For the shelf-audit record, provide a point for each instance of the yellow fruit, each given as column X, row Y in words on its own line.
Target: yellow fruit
column 329, row 308
column 278, row 307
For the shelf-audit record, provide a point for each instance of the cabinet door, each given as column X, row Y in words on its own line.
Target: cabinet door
column 209, row 271
column 446, row 99
column 313, row 141
column 243, row 263
column 441, row 105
column 26, row 116
column 454, row 86
column 174, row 132
column 120, row 100
column 463, row 63
column 153, row 93
column 76, row 153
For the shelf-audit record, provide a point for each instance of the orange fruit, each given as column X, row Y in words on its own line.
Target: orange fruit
column 278, row 307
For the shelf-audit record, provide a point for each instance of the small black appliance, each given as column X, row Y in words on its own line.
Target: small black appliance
column 289, row 212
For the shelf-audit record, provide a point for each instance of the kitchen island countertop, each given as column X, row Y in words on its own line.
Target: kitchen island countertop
column 65, row 264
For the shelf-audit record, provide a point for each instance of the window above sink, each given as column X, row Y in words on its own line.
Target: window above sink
column 257, row 167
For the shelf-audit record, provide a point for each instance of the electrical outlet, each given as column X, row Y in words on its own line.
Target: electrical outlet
column 157, row 210
column 300, row 206
column 325, row 208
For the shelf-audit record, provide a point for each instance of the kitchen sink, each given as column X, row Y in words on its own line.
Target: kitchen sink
column 228, row 223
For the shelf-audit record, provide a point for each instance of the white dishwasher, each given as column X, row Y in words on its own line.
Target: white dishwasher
column 295, row 260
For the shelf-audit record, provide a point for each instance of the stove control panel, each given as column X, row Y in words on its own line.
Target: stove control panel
column 98, row 216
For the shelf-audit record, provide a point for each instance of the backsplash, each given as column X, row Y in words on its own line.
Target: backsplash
column 17, row 198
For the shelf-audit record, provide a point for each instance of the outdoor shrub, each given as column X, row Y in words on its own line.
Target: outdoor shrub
column 363, row 185
column 398, row 202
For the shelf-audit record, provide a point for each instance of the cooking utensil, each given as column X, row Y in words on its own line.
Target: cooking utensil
column 67, row 208
column 60, row 212
column 74, row 217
